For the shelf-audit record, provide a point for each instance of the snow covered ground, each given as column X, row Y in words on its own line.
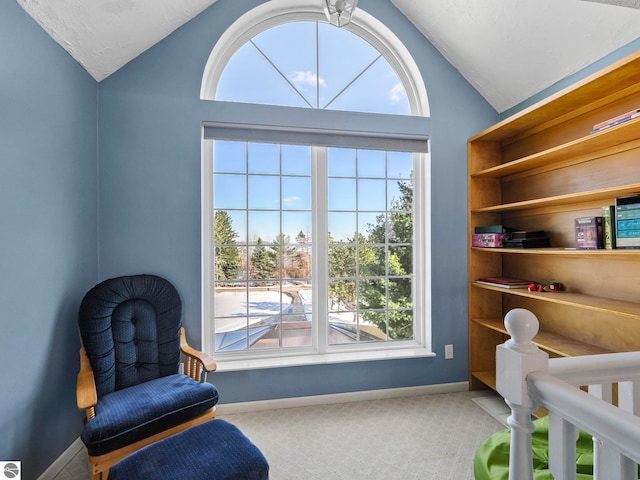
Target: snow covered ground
column 232, row 308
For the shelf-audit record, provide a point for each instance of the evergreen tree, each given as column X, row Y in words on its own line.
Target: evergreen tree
column 342, row 271
column 280, row 249
column 342, row 267
column 301, row 257
column 263, row 262
column 227, row 255
column 397, row 233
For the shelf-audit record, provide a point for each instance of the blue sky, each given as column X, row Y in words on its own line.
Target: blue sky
column 251, row 187
column 309, row 65
column 282, row 66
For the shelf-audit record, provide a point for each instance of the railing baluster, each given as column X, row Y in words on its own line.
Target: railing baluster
column 603, row 391
column 515, row 359
column 628, row 469
column 605, row 459
column 629, row 396
column 562, row 448
column 629, row 401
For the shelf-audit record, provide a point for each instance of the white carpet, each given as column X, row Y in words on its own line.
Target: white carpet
column 430, row 437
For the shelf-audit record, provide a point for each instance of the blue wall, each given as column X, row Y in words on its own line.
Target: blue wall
column 149, row 118
column 64, row 227
column 47, row 237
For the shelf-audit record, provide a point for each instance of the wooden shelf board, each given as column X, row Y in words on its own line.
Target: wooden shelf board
column 588, row 302
column 570, row 101
column 488, row 378
column 568, row 199
column 617, row 136
column 569, row 252
column 557, row 344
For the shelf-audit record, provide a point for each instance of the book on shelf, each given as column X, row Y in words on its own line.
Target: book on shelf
column 540, row 242
column 617, row 122
column 589, row 233
column 624, row 116
column 491, row 229
column 609, row 226
column 525, row 234
column 488, row 240
column 527, row 239
column 504, row 282
column 627, row 221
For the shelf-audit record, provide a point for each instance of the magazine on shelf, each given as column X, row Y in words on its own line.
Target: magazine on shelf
column 611, row 121
column 504, row 282
column 616, row 122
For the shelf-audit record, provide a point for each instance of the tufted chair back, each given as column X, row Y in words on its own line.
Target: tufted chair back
column 130, row 329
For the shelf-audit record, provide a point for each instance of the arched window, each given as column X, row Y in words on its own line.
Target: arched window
column 314, row 241
column 284, row 53
column 325, row 67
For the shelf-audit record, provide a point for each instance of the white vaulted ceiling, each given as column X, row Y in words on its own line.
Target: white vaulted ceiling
column 103, row 35
column 508, row 50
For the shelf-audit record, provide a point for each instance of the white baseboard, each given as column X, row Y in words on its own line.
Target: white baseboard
column 58, row 465
column 243, row 407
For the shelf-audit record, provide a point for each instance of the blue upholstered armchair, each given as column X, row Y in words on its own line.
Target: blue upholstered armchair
column 129, row 381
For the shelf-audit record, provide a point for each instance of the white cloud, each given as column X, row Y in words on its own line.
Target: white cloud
column 290, row 199
column 397, row 93
column 303, row 80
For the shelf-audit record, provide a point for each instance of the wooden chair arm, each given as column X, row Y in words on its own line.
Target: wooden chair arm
column 86, row 394
column 196, row 361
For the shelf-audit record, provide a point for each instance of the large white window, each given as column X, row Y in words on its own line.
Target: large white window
column 315, row 243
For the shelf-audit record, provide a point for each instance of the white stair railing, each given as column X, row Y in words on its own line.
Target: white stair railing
column 527, row 379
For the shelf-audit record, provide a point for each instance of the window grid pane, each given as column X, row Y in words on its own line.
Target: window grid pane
column 370, row 267
column 263, row 247
column 270, row 69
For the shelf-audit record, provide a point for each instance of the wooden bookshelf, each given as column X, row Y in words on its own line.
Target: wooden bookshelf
column 569, row 200
column 557, row 345
column 630, row 310
column 539, row 170
column 619, row 138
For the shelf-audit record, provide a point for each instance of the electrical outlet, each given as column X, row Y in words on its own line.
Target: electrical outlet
column 448, row 352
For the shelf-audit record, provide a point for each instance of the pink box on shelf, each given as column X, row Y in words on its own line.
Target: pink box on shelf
column 494, row 240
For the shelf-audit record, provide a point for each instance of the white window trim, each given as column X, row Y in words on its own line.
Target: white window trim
column 321, row 352
column 276, row 12
column 265, row 16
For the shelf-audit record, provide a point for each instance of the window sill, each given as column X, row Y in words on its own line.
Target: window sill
column 235, row 364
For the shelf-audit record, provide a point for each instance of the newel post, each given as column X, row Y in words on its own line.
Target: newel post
column 515, row 359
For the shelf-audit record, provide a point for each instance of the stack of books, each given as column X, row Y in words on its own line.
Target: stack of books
column 625, row 117
column 489, row 236
column 504, row 282
column 527, row 239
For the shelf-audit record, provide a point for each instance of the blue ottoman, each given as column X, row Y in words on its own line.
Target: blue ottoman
column 215, row 450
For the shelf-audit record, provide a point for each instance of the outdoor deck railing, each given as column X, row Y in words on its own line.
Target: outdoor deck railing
column 528, row 379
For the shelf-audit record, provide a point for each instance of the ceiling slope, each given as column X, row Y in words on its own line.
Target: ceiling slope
column 104, row 35
column 508, row 50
